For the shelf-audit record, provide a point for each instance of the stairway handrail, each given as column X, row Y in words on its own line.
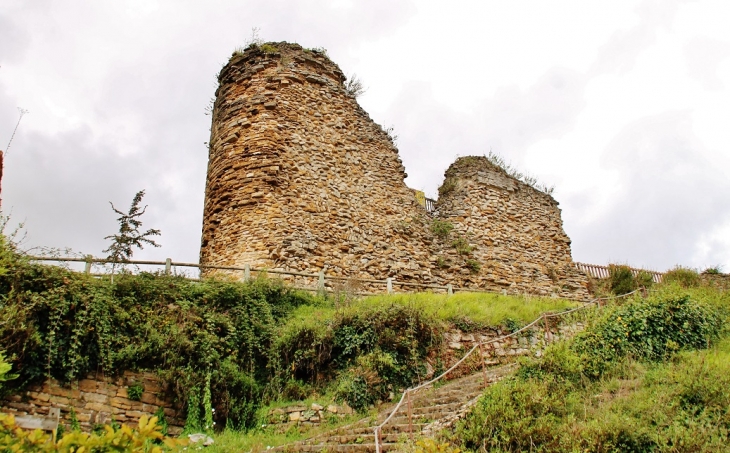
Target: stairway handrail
column 379, row 427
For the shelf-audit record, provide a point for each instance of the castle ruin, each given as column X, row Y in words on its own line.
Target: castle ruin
column 301, row 179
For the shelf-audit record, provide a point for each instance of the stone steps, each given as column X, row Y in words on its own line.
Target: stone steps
column 429, row 408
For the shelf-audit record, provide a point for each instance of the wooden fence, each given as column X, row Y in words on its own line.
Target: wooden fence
column 323, row 282
column 597, row 271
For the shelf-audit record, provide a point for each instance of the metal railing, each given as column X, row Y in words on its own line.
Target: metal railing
column 406, row 396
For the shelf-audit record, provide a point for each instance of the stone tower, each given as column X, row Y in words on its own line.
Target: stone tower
column 299, row 177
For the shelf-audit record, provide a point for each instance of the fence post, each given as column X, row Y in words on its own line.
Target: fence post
column 389, row 285
column 484, row 363
column 168, row 266
column 547, row 329
column 246, row 272
column 87, row 266
column 377, row 439
column 320, row 283
column 449, row 290
column 410, row 415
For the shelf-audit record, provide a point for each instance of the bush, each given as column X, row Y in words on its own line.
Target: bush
column 473, row 266
column 462, row 246
column 644, row 279
column 650, row 330
column 441, row 228
column 64, row 324
column 594, row 394
column 621, row 278
column 682, row 276
column 134, row 391
column 125, row 439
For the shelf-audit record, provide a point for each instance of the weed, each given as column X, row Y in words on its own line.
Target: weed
column 134, row 391
column 441, row 228
column 621, row 278
column 269, row 48
column 682, row 276
column 448, row 186
column 462, row 246
column 441, row 263
column 473, row 266
column 714, row 270
column 354, row 87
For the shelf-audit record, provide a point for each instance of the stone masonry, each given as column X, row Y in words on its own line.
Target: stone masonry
column 301, row 179
column 97, row 401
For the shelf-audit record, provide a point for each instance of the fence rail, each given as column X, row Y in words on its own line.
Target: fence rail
column 405, row 397
column 321, row 277
column 597, row 271
column 592, row 270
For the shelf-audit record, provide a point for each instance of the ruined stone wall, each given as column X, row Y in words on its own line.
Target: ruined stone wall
column 97, row 401
column 510, row 230
column 301, row 179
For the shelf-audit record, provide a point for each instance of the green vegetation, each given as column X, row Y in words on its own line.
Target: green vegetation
column 134, row 391
column 462, row 246
column 632, row 381
column 227, row 349
column 473, row 265
column 268, row 48
column 684, row 277
column 147, row 437
column 498, row 161
column 714, row 270
column 441, row 228
column 448, row 186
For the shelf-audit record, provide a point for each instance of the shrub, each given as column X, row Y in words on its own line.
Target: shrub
column 473, row 266
column 125, row 439
column 134, row 391
column 682, row 276
column 644, row 279
column 714, row 270
column 441, row 228
column 268, row 48
column 650, row 330
column 621, row 278
column 462, row 246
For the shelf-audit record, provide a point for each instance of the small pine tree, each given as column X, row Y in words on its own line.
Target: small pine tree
column 121, row 248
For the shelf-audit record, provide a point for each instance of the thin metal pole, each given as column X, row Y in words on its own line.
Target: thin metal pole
column 410, row 415
column 547, row 329
column 484, row 363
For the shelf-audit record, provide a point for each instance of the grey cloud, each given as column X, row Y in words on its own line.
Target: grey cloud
column 622, row 50
column 704, row 55
column 14, row 41
column 431, row 135
column 669, row 196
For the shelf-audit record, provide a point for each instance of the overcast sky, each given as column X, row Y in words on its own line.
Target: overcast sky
column 624, row 106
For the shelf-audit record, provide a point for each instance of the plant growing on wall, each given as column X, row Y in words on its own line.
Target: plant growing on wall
column 134, row 392
column 462, row 246
column 441, row 228
column 129, row 237
column 354, row 87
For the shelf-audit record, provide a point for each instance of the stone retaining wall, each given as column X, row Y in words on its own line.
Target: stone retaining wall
column 97, row 401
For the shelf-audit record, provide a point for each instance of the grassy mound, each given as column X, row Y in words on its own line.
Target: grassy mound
column 635, row 380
